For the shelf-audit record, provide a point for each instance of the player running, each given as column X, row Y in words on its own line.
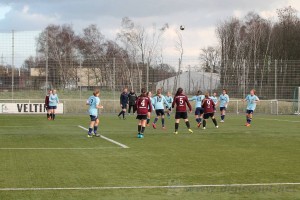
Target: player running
column 53, row 101
column 94, row 103
column 169, row 99
column 144, row 106
column 198, row 110
column 224, row 100
column 149, row 94
column 181, row 102
column 123, row 103
column 159, row 101
column 208, row 106
column 251, row 99
column 47, row 104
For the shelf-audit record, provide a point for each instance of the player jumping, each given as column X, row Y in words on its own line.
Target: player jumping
column 159, row 101
column 144, row 106
column 251, row 99
column 208, row 106
column 199, row 110
column 181, row 102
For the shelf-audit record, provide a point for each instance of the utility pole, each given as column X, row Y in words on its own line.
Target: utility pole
column 12, row 64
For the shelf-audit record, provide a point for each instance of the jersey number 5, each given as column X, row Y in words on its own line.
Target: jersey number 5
column 180, row 101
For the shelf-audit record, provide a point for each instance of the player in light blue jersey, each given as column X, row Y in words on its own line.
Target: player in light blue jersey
column 159, row 101
column 224, row 100
column 251, row 100
column 198, row 110
column 53, row 102
column 215, row 99
column 169, row 99
column 149, row 94
column 94, row 104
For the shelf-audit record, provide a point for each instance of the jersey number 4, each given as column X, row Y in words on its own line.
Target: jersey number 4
column 143, row 102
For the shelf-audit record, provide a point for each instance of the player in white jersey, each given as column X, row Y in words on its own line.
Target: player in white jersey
column 94, row 105
column 251, row 100
column 224, row 100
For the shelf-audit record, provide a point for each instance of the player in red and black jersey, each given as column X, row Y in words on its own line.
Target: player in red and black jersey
column 181, row 102
column 209, row 110
column 143, row 106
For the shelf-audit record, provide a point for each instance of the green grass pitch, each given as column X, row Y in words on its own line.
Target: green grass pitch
column 36, row 153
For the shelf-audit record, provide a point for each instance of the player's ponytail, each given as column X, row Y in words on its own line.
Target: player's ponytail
column 179, row 91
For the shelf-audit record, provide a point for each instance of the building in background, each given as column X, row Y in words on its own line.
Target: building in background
column 191, row 82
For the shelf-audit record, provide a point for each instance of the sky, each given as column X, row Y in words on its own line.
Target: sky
column 29, row 17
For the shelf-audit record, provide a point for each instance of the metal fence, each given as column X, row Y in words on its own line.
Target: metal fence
column 27, row 73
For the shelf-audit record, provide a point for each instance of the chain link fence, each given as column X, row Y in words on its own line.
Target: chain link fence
column 28, row 71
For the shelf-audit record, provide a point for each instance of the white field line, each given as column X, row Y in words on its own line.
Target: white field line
column 106, row 138
column 58, row 148
column 149, row 187
column 281, row 120
column 25, row 126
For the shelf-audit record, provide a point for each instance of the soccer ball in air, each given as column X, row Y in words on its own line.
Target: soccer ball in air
column 182, row 27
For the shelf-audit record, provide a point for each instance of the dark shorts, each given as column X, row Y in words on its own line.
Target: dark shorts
column 160, row 112
column 93, row 118
column 141, row 117
column 170, row 109
column 52, row 107
column 199, row 111
column 250, row 112
column 181, row 115
column 124, row 106
column 207, row 115
column 222, row 108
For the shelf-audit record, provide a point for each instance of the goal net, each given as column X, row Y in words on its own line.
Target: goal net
column 296, row 101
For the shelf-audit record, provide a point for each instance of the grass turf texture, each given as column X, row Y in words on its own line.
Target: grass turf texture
column 266, row 152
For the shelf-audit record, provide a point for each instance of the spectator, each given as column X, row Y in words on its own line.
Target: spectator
column 132, row 97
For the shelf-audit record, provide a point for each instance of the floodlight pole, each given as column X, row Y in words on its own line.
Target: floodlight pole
column 80, row 71
column 147, row 73
column 46, row 73
column 114, row 82
column 12, row 65
column 275, row 92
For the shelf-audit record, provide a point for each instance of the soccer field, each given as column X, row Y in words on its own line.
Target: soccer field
column 42, row 159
